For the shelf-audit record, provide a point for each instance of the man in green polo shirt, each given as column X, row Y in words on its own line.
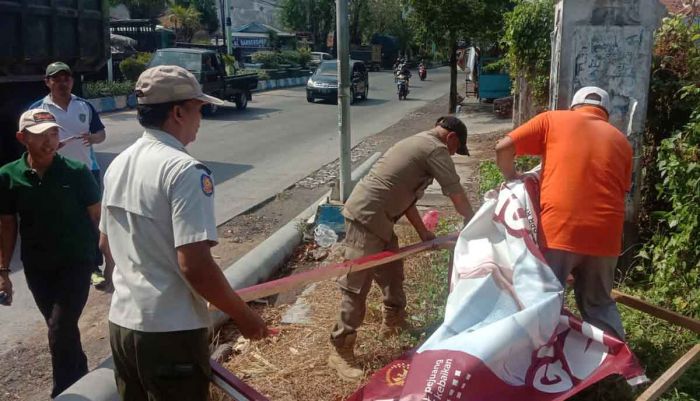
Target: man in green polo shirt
column 57, row 203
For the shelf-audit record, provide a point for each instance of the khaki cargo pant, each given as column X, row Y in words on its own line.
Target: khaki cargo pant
column 355, row 286
column 593, row 282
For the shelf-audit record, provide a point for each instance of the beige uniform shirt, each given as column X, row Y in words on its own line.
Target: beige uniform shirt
column 156, row 198
column 398, row 179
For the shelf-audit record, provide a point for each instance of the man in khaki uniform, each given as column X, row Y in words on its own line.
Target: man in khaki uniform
column 390, row 190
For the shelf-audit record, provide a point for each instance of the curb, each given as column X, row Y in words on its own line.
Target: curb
column 255, row 266
column 113, row 103
column 270, row 84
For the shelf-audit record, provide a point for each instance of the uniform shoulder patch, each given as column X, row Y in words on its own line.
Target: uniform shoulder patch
column 207, row 185
column 201, row 166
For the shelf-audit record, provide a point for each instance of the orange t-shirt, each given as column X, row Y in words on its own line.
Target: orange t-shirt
column 586, row 171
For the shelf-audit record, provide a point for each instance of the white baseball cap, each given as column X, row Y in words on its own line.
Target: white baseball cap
column 170, row 83
column 37, row 121
column 582, row 97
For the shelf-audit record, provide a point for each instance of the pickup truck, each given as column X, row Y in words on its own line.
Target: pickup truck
column 209, row 68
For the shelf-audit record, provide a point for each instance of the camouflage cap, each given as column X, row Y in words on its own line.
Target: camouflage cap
column 55, row 68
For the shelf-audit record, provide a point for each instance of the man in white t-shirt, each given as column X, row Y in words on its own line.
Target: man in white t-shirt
column 81, row 127
column 158, row 224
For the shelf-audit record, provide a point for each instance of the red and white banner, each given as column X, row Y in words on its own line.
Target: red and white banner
column 505, row 335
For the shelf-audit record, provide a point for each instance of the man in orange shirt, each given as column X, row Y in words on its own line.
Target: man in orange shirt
column 586, row 171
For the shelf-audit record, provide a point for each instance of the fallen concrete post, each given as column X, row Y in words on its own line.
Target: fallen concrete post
column 261, row 262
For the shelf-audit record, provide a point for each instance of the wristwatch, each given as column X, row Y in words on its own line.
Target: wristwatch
column 5, row 269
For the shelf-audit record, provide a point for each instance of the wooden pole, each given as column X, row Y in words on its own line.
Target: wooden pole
column 232, row 385
column 340, row 269
column 671, row 375
column 657, row 311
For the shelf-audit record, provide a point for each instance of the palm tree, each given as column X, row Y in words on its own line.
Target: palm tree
column 185, row 21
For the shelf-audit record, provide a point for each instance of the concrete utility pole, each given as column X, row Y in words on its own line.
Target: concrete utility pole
column 343, row 45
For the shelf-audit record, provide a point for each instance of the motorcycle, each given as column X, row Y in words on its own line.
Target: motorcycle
column 402, row 86
column 422, row 72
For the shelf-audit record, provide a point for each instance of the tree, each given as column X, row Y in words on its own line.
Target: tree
column 444, row 22
column 387, row 17
column 185, row 21
column 142, row 8
column 314, row 16
column 207, row 12
column 528, row 53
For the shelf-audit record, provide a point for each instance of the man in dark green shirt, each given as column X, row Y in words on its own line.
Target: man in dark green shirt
column 57, row 203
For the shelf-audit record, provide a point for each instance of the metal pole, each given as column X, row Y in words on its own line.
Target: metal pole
column 228, row 27
column 222, row 17
column 110, row 69
column 343, row 45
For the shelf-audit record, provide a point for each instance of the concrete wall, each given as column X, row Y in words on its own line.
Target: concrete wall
column 607, row 43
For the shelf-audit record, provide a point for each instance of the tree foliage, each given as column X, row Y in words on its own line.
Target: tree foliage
column 675, row 64
column 207, row 12
column 366, row 17
column 142, row 8
column 444, row 22
column 670, row 260
column 155, row 8
column 184, row 20
column 314, row 16
column 527, row 44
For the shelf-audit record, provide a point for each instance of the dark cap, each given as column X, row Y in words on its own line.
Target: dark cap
column 454, row 124
column 55, row 68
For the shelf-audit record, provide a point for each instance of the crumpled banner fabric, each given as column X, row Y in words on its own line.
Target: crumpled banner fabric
column 505, row 335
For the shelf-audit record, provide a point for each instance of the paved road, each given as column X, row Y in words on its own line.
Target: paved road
column 254, row 155
column 280, row 139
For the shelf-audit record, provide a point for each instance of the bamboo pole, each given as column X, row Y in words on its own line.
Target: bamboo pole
column 657, row 311
column 340, row 269
column 232, row 385
column 671, row 375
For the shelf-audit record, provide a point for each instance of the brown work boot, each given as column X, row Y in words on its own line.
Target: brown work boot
column 394, row 322
column 342, row 358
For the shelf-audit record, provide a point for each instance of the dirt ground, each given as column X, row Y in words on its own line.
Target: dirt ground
column 27, row 368
column 272, row 366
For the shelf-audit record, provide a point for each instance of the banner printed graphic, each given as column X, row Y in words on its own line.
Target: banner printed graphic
column 505, row 335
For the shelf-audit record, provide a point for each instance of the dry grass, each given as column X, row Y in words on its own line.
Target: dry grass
column 293, row 365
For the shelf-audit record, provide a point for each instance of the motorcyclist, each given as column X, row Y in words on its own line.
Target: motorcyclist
column 406, row 72
column 421, row 67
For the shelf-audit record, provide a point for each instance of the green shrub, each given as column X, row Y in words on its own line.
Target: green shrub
column 268, row 59
column 304, row 56
column 133, row 66
column 526, row 38
column 96, row 89
column 671, row 258
column 490, row 176
column 290, row 57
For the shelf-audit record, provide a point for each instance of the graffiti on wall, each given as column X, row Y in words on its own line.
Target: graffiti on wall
column 615, row 12
column 608, row 57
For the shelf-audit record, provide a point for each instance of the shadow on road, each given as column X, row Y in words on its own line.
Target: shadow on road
column 221, row 171
column 358, row 102
column 369, row 102
column 231, row 114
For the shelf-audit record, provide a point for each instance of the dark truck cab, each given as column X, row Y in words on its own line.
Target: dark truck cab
column 33, row 34
column 209, row 68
